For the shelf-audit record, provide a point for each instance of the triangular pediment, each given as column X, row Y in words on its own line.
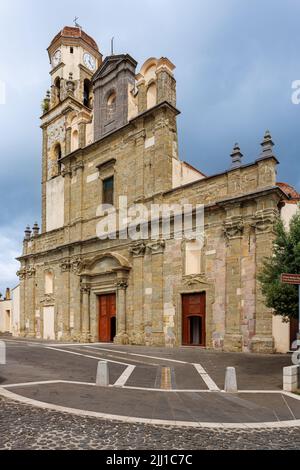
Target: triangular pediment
column 110, row 64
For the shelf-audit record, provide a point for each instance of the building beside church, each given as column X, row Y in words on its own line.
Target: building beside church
column 110, row 131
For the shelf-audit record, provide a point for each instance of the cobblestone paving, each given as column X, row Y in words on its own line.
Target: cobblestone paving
column 26, row 427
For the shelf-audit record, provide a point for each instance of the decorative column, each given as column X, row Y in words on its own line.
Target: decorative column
column 233, row 230
column 122, row 337
column 85, row 309
column 30, row 302
column 64, row 306
column 22, row 277
column 263, row 341
column 75, row 299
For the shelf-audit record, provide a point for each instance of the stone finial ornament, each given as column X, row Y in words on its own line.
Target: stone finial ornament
column 35, row 229
column 27, row 233
column 267, row 146
column 236, row 156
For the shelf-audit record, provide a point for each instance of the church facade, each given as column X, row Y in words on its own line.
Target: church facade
column 109, row 131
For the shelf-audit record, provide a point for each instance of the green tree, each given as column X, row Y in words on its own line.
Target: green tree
column 282, row 298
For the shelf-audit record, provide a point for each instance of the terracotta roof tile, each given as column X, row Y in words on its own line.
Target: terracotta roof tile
column 289, row 191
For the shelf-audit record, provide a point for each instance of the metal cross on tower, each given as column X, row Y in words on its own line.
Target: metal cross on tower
column 75, row 22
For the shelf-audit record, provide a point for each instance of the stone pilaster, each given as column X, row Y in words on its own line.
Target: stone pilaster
column 22, row 277
column 30, row 302
column 142, row 96
column 139, row 164
column 44, row 178
column 157, row 253
column 64, row 293
column 122, row 336
column 138, row 251
column 68, row 140
column 82, row 134
column 85, row 312
column 233, row 230
column 263, row 341
column 66, row 173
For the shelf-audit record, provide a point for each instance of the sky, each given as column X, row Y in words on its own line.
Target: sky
column 235, row 62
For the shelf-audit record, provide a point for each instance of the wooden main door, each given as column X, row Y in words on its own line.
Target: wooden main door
column 107, row 317
column 193, row 319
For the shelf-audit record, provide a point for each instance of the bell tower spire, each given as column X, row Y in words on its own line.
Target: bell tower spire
column 67, row 112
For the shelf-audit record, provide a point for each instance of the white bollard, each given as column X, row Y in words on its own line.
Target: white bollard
column 290, row 378
column 230, row 380
column 102, row 379
column 2, row 353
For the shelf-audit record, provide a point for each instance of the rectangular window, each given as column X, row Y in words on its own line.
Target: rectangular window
column 71, row 50
column 193, row 253
column 108, row 191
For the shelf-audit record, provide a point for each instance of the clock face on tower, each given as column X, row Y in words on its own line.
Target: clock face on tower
column 89, row 61
column 56, row 58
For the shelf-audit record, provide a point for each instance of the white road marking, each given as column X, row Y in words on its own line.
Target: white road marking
column 139, row 355
column 25, row 343
column 206, row 378
column 85, row 355
column 124, row 377
column 64, row 345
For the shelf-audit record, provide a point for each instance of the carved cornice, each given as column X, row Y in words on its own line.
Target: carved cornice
column 156, row 247
column 65, row 266
column 85, row 289
column 66, row 172
column 264, row 220
column 138, row 249
column 30, row 272
column 195, row 279
column 121, row 284
column 48, row 299
column 233, row 227
column 77, row 166
column 77, row 265
column 21, row 274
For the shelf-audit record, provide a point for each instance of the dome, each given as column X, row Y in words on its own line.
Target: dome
column 70, row 32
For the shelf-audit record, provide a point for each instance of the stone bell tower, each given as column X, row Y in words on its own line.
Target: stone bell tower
column 67, row 119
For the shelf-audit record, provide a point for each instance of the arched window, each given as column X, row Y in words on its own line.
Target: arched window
column 57, row 85
column 111, row 106
column 151, row 96
column 74, row 141
column 87, row 93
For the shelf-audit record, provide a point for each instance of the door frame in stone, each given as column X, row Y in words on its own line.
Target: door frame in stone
column 196, row 284
column 113, row 316
column 110, row 281
column 200, row 315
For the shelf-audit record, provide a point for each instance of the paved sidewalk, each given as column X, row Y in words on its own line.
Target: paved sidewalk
column 26, row 427
column 209, row 407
